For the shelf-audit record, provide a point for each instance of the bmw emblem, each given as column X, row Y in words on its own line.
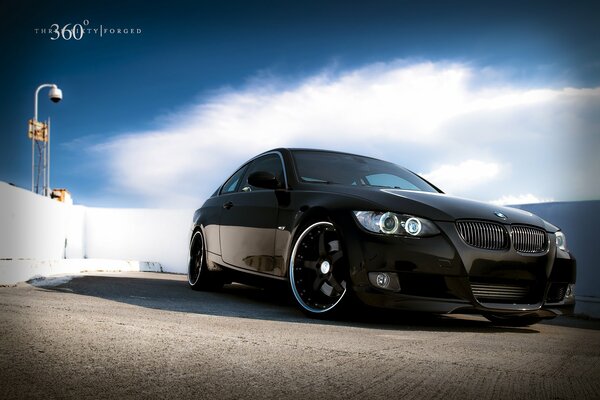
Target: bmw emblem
column 500, row 215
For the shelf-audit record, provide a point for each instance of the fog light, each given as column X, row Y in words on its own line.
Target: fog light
column 385, row 280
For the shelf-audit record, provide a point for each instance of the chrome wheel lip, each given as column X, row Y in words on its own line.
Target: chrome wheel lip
column 192, row 262
column 292, row 278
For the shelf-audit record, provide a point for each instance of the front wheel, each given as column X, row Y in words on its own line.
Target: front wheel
column 318, row 270
column 199, row 277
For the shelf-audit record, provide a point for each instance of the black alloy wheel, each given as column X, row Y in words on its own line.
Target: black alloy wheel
column 318, row 270
column 199, row 277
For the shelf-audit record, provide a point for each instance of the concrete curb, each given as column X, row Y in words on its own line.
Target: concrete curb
column 22, row 270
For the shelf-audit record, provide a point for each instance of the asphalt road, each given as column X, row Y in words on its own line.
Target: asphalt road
column 146, row 335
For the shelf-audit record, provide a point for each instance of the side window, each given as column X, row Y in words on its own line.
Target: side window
column 232, row 183
column 270, row 163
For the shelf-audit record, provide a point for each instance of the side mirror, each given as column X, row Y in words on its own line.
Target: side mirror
column 263, row 180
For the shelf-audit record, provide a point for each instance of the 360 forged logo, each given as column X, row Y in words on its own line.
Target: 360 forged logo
column 77, row 31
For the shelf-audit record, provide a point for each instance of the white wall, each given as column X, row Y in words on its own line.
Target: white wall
column 37, row 228
column 75, row 232
column 139, row 234
column 31, row 226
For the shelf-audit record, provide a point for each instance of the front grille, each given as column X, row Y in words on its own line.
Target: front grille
column 483, row 235
column 500, row 293
column 529, row 240
column 493, row 236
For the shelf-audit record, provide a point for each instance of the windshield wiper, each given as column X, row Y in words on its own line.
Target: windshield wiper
column 386, row 187
column 316, row 180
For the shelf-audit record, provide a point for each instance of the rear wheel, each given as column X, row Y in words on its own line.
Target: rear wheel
column 507, row 320
column 318, row 270
column 199, row 277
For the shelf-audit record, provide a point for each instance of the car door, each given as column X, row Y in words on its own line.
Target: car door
column 248, row 221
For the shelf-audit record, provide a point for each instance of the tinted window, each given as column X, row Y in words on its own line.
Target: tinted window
column 347, row 169
column 232, row 183
column 270, row 163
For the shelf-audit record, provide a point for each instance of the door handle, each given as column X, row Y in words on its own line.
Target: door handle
column 228, row 205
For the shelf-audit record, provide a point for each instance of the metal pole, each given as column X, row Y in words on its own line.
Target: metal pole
column 35, row 119
column 32, row 159
column 48, row 190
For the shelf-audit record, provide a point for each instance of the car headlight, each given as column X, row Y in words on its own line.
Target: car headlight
column 390, row 223
column 561, row 241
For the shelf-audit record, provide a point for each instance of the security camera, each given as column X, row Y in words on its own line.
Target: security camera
column 55, row 94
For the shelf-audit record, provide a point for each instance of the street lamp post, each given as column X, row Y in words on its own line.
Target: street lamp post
column 39, row 132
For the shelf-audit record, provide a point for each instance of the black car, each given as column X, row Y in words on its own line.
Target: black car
column 340, row 227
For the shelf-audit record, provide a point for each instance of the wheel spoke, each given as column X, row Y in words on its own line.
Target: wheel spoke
column 336, row 257
column 326, row 289
column 334, row 246
column 312, row 265
column 339, row 289
column 319, row 280
column 322, row 249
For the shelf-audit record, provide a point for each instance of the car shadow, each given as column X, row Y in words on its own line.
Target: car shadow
column 170, row 292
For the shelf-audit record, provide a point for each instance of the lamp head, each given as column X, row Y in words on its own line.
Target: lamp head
column 55, row 94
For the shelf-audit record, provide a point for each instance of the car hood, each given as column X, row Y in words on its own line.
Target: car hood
column 442, row 207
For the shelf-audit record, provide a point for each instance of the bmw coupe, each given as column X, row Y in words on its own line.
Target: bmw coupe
column 340, row 227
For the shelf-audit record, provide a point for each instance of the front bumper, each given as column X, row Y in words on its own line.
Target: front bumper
column 443, row 274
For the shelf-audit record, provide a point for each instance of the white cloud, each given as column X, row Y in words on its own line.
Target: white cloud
column 466, row 175
column 427, row 116
column 520, row 199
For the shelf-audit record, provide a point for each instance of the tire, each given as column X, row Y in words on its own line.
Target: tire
column 318, row 271
column 199, row 277
column 502, row 320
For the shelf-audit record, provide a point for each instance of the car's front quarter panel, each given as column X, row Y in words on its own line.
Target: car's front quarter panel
column 306, row 205
column 430, row 269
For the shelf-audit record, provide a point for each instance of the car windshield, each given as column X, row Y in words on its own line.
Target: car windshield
column 352, row 170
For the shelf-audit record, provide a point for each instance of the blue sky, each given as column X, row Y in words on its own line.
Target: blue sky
column 495, row 100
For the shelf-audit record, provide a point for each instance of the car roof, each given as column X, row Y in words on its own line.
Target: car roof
column 293, row 149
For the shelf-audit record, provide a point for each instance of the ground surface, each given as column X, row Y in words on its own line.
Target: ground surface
column 147, row 335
